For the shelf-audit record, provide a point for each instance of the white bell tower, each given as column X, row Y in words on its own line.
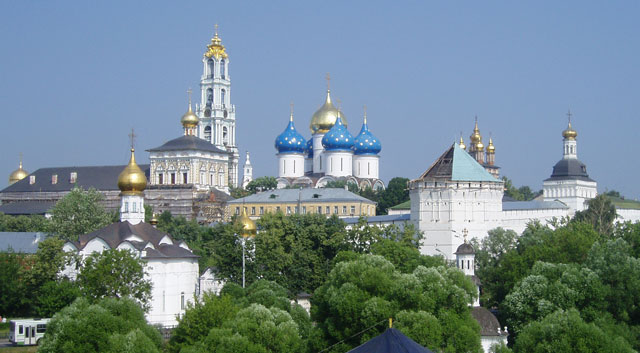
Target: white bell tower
column 247, row 173
column 216, row 113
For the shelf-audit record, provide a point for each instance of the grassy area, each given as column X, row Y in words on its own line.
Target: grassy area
column 29, row 349
column 623, row 203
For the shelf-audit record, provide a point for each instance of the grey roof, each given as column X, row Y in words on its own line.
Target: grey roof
column 302, row 195
column 21, row 242
column 570, row 169
column 187, row 143
column 532, row 205
column 392, row 218
column 27, row 207
column 465, row 248
column 98, row 177
column 116, row 233
column 489, row 324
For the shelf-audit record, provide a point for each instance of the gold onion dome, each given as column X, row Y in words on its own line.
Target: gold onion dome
column 18, row 174
column 462, row 145
column 491, row 148
column 132, row 180
column 216, row 49
column 325, row 117
column 570, row 133
column 476, row 137
column 189, row 119
column 248, row 225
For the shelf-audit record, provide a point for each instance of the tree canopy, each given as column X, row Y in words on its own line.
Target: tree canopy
column 79, row 212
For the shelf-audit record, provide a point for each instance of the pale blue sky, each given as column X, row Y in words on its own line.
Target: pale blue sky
column 75, row 77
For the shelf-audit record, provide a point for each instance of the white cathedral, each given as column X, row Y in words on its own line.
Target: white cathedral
column 332, row 153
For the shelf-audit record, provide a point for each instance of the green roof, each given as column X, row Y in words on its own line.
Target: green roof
column 402, row 206
column 455, row 164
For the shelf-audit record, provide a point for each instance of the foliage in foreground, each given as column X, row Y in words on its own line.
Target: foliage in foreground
column 109, row 325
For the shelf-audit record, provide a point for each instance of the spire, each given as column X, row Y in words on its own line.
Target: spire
column 291, row 117
column 328, row 100
column 462, row 145
column 365, row 114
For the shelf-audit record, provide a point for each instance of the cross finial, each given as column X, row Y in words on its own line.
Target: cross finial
column 328, row 77
column 20, row 159
column 216, row 27
column 291, row 109
column 569, row 115
column 465, row 232
column 364, row 107
column 339, row 104
column 132, row 138
column 189, row 95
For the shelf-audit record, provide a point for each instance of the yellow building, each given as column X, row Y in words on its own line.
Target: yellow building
column 340, row 202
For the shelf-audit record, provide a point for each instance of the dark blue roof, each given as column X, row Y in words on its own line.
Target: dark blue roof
column 290, row 140
column 188, row 143
column 21, row 242
column 366, row 143
column 391, row 341
column 338, row 138
column 570, row 169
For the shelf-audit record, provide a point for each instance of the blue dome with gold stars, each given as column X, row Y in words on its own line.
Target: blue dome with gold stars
column 365, row 142
column 290, row 140
column 310, row 148
column 338, row 138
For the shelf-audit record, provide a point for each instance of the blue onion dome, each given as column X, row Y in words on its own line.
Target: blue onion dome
column 310, row 148
column 290, row 140
column 365, row 142
column 338, row 138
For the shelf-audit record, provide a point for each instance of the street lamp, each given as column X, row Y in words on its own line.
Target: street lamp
column 248, row 231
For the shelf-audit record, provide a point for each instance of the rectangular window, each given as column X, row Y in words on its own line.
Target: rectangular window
column 340, row 164
column 344, row 209
column 160, row 178
column 294, row 166
column 319, row 209
column 126, row 207
column 173, row 178
column 327, row 210
column 261, row 210
column 277, row 208
column 182, row 301
column 32, row 179
column 304, row 209
column 253, row 211
column 297, row 210
column 73, row 177
column 41, row 328
column 134, row 206
column 353, row 210
column 335, row 209
column 237, row 210
column 288, row 210
column 202, row 179
column 184, row 178
column 211, row 179
column 54, row 179
column 20, row 330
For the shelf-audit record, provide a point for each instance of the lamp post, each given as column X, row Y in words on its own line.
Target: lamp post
column 248, row 230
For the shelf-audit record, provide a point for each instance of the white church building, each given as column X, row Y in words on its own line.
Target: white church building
column 171, row 266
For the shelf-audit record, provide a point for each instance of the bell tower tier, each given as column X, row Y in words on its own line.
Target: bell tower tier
column 216, row 113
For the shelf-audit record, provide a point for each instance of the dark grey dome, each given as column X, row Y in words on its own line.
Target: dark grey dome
column 465, row 248
column 570, row 169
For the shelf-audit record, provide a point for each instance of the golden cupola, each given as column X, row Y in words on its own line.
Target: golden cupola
column 476, row 137
column 18, row 174
column 570, row 133
column 216, row 49
column 249, row 228
column 491, row 148
column 189, row 119
column 462, row 145
column 132, row 180
column 325, row 117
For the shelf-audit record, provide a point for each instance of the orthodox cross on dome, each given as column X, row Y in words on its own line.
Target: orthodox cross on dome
column 216, row 29
column 291, row 110
column 339, row 105
column 465, row 232
column 328, row 77
column 364, row 107
column 132, row 138
column 569, row 115
column 189, row 95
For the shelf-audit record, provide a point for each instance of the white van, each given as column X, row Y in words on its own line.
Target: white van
column 27, row 331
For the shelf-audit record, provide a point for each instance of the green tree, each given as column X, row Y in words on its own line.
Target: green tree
column 600, row 213
column 566, row 331
column 523, row 193
column 262, row 184
column 23, row 223
column 397, row 192
column 365, row 292
column 12, row 289
column 114, row 274
column 108, row 325
column 79, row 212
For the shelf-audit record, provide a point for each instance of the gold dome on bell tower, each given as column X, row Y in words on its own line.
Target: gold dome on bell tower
column 132, row 180
column 18, row 174
column 216, row 49
column 325, row 117
column 569, row 133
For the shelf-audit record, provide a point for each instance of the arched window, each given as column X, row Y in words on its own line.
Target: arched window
column 207, row 133
column 223, row 96
column 225, row 135
column 212, row 67
column 222, row 68
column 209, row 97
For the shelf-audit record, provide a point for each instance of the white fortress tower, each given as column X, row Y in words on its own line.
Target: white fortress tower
column 454, row 194
column 216, row 113
column 569, row 183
